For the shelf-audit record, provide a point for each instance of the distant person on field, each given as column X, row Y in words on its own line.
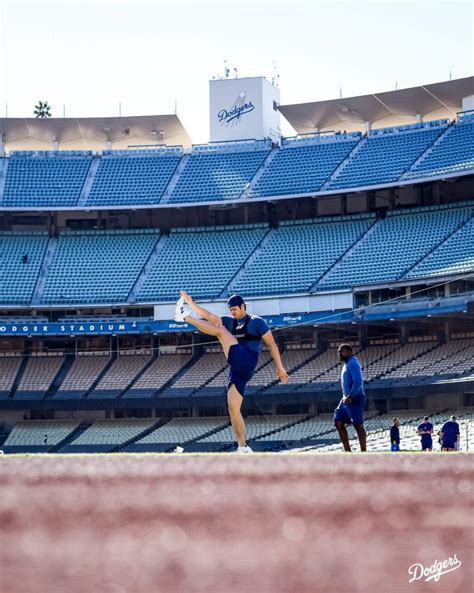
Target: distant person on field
column 351, row 407
column 425, row 430
column 395, row 435
column 450, row 435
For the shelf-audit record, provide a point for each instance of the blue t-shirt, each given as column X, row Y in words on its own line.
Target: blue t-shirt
column 352, row 381
column 424, row 426
column 450, row 430
column 256, row 328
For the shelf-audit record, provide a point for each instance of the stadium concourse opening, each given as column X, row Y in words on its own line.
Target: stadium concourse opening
column 361, row 235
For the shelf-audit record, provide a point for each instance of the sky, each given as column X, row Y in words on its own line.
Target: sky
column 153, row 56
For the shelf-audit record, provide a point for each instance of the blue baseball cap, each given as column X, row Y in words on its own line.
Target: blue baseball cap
column 235, row 301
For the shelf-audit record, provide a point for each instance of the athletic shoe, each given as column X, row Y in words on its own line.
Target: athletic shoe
column 181, row 310
column 244, row 450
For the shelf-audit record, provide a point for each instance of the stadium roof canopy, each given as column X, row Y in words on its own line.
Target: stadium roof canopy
column 393, row 108
column 92, row 133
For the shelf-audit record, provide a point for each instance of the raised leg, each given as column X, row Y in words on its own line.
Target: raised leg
column 220, row 332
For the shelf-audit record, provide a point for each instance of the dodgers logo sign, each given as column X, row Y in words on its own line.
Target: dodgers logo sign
column 232, row 116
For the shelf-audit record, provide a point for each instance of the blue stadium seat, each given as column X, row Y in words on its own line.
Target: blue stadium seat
column 215, row 172
column 373, row 261
column 132, row 179
column 21, row 258
column 303, row 164
column 386, row 154
column 45, row 179
column 97, row 267
column 202, row 260
column 454, row 153
column 298, row 253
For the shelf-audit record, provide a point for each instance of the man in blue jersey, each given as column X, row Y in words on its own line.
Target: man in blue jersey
column 241, row 336
column 425, row 430
column 450, row 435
column 351, row 407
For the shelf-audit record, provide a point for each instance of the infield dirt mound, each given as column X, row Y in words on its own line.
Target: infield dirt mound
column 223, row 524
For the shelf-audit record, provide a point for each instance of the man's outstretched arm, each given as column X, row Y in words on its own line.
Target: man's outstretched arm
column 270, row 342
column 203, row 313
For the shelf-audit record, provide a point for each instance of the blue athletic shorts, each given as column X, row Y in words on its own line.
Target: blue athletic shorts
column 426, row 444
column 448, row 444
column 350, row 413
column 242, row 364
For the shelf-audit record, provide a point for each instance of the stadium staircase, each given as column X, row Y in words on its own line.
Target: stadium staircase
column 165, row 198
column 456, row 230
column 18, row 377
column 89, row 180
column 256, row 178
column 113, row 358
column 141, row 435
column 3, row 176
column 347, row 253
column 48, row 257
column 72, row 436
column 149, row 265
column 427, row 152
column 248, row 262
column 59, row 378
column 342, row 165
column 153, row 357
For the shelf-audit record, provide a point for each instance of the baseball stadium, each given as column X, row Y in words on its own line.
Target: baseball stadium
column 144, row 449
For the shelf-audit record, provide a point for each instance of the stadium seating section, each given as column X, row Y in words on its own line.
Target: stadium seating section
column 145, row 177
column 385, row 154
column 303, row 165
column 218, row 172
column 203, row 260
column 231, row 171
column 45, row 179
column 330, row 253
column 131, row 375
column 20, row 273
column 105, row 266
column 291, row 432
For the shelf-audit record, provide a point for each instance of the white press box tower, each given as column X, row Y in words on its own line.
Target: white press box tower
column 244, row 108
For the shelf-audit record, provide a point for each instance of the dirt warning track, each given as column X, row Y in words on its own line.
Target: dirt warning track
column 225, row 524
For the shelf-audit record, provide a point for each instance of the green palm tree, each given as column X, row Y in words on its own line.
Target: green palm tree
column 42, row 109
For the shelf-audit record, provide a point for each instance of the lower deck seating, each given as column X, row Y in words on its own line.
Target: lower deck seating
column 120, row 375
column 179, row 431
column 255, row 426
column 104, row 435
column 9, row 367
column 158, row 374
column 81, row 376
column 38, row 435
column 39, row 373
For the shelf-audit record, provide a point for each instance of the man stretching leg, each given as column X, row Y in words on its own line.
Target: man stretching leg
column 240, row 335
